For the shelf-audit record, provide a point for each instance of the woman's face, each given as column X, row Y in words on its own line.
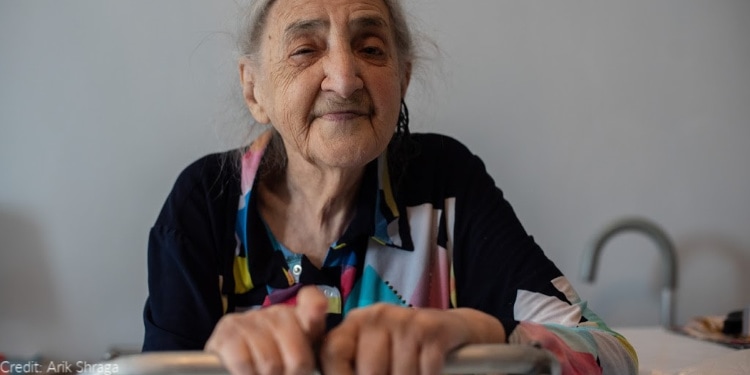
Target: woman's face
column 328, row 77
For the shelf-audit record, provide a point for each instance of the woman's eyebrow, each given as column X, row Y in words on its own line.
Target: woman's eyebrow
column 302, row 27
column 368, row 22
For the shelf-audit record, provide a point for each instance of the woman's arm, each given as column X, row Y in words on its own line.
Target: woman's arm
column 185, row 258
column 500, row 270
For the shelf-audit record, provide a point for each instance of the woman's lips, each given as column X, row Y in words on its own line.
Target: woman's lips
column 341, row 116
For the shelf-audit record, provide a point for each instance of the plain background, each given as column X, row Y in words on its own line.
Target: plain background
column 583, row 111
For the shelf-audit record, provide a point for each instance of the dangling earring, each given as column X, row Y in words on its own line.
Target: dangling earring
column 402, row 127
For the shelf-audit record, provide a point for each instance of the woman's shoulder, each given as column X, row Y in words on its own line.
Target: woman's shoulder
column 440, row 150
column 207, row 186
column 438, row 142
column 209, row 172
column 207, row 179
column 434, row 167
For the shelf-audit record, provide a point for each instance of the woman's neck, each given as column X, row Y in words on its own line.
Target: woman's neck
column 307, row 209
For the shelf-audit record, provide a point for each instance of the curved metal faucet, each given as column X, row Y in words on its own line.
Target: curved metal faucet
column 666, row 249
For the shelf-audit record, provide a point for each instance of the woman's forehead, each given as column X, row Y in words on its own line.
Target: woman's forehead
column 287, row 15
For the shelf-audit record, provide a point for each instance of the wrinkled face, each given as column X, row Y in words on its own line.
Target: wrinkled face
column 327, row 76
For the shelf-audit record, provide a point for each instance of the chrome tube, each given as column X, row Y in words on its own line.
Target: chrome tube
column 470, row 359
column 666, row 250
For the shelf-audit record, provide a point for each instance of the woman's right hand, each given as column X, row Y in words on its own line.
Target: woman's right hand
column 275, row 340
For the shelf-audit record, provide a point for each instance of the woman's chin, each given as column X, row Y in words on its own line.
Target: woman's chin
column 346, row 155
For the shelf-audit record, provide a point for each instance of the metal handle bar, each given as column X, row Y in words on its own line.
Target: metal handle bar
column 470, row 359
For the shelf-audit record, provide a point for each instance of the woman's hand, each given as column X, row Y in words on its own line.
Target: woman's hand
column 388, row 339
column 274, row 340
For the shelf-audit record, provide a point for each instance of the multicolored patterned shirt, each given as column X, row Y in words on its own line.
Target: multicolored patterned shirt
column 433, row 232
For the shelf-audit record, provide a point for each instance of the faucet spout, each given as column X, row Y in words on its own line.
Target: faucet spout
column 664, row 245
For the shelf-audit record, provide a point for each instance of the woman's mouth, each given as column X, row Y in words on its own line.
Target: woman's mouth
column 342, row 115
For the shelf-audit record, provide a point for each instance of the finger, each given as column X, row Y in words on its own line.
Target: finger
column 266, row 354
column 431, row 360
column 312, row 306
column 234, row 354
column 373, row 351
column 269, row 341
column 405, row 356
column 237, row 359
column 281, row 345
column 338, row 350
column 296, row 349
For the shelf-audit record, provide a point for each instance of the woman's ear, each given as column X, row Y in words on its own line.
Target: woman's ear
column 405, row 78
column 248, row 80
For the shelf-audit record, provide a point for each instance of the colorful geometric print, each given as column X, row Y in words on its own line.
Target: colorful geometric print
column 570, row 330
column 421, row 277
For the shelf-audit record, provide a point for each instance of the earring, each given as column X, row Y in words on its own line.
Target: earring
column 402, row 127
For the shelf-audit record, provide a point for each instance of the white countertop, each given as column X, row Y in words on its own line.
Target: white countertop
column 662, row 352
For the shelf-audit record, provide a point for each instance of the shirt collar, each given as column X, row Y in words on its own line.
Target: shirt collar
column 377, row 216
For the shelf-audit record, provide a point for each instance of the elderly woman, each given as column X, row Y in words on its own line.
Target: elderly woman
column 341, row 240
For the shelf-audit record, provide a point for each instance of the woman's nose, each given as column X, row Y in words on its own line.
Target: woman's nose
column 342, row 75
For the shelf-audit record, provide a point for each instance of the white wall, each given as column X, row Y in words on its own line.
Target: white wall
column 584, row 111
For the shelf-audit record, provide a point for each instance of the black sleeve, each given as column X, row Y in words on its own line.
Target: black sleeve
column 186, row 256
column 494, row 256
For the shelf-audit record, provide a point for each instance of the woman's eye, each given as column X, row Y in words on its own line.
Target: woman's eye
column 302, row 51
column 373, row 51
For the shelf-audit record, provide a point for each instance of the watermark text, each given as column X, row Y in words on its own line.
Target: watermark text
column 58, row 367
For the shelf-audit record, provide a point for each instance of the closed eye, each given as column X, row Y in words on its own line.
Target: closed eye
column 302, row 51
column 373, row 51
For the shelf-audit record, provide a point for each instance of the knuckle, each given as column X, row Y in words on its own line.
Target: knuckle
column 228, row 322
column 227, row 326
column 238, row 366
column 236, row 360
column 302, row 366
column 270, row 367
column 427, row 323
column 421, row 327
column 213, row 344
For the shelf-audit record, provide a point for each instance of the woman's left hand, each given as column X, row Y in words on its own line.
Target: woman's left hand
column 389, row 339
